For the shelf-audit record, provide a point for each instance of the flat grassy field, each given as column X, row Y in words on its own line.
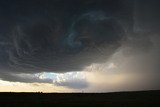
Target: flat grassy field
column 117, row 99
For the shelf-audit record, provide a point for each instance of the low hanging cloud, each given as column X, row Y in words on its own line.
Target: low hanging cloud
column 73, row 83
column 26, row 78
column 74, row 80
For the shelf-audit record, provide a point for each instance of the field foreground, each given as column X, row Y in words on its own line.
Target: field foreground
column 117, row 99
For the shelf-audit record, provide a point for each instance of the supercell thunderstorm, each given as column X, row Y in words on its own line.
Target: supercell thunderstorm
column 63, row 36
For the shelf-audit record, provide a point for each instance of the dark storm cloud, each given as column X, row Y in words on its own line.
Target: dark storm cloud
column 59, row 36
column 68, row 35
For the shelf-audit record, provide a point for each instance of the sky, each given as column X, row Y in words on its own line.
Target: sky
column 79, row 45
